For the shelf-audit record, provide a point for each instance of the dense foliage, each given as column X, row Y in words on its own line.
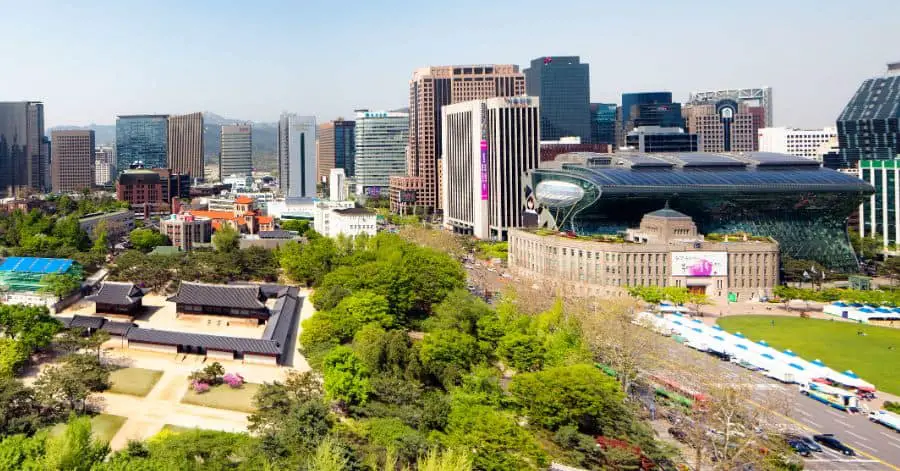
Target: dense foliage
column 874, row 297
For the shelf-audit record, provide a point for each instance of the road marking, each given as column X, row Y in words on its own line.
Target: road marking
column 845, row 424
column 813, row 423
column 803, row 412
column 831, row 412
column 893, row 439
column 867, row 447
column 857, row 436
column 893, row 445
column 816, row 460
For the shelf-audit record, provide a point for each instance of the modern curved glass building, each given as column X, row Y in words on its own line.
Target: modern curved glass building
column 794, row 200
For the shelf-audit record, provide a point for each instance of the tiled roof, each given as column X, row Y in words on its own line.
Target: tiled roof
column 112, row 292
column 243, row 200
column 355, row 212
column 85, row 322
column 117, row 328
column 276, row 234
column 226, row 215
column 203, row 294
column 214, row 342
column 265, row 219
column 280, row 324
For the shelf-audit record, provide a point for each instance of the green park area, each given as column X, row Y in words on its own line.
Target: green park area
column 103, row 427
column 133, row 381
column 873, row 356
column 223, row 396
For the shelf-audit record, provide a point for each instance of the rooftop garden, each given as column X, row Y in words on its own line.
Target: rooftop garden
column 735, row 237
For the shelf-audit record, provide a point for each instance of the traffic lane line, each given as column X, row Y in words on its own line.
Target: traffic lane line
column 845, row 424
column 857, row 436
column 893, row 439
column 893, row 444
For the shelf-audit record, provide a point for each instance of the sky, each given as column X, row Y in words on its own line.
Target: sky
column 89, row 61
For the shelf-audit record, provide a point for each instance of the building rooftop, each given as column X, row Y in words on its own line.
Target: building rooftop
column 114, row 292
column 355, row 212
column 204, row 294
column 36, row 265
column 668, row 213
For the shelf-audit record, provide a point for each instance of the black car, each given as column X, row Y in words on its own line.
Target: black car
column 810, row 443
column 828, row 440
column 800, row 447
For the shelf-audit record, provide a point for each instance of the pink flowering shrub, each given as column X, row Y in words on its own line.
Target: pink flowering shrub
column 199, row 387
column 234, row 380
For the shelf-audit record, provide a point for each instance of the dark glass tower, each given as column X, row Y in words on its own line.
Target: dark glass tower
column 647, row 109
column 869, row 126
column 23, row 165
column 345, row 146
column 603, row 123
column 563, row 85
column 142, row 139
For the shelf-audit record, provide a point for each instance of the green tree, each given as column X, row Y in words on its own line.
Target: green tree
column 226, row 239
column 75, row 449
column 869, row 247
column 328, row 457
column 69, row 232
column 59, row 284
column 447, row 354
column 346, row 378
column 69, row 384
column 308, row 263
column 146, row 239
column 496, row 441
column 298, row 225
column 523, row 352
column 23, row 451
column 20, row 411
column 101, row 238
column 13, row 355
column 461, row 311
column 33, row 326
column 891, row 268
column 579, row 395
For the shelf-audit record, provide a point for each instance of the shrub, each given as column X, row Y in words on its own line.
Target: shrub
column 199, row 387
column 892, row 407
column 234, row 380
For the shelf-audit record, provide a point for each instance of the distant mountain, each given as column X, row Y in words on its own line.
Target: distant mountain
column 265, row 136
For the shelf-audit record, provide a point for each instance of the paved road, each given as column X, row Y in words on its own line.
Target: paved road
column 877, row 447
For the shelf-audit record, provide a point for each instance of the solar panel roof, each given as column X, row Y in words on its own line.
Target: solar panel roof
column 36, row 265
column 704, row 160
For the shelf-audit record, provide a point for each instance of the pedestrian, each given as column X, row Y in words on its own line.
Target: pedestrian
column 773, row 322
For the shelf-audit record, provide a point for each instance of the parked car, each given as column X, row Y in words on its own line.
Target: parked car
column 830, row 441
column 799, row 446
column 810, row 443
column 678, row 434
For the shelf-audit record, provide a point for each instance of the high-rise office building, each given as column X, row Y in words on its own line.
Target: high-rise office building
column 725, row 126
column 563, row 85
column 24, row 152
column 104, row 165
column 759, row 100
column 141, row 140
column 72, row 161
column 337, row 185
column 381, row 139
column 337, row 148
column 646, row 109
column 297, row 156
column 235, row 151
column 430, row 89
column 869, row 126
column 603, row 123
column 652, row 139
column 185, row 144
column 800, row 142
column 487, row 146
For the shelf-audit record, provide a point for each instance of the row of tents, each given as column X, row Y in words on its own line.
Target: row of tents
column 863, row 312
column 785, row 366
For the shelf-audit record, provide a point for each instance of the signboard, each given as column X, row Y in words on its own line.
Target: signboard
column 699, row 263
column 484, row 171
column 373, row 191
column 407, row 196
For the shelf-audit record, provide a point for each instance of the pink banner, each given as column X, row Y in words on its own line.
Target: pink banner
column 484, row 171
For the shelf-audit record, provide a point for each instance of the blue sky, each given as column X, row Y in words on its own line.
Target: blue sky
column 91, row 60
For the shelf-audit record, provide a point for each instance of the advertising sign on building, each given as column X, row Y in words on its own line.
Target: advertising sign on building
column 408, row 196
column 484, row 171
column 699, row 263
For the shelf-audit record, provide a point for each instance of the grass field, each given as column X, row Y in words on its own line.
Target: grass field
column 224, row 397
column 103, row 426
column 834, row 342
column 177, row 428
column 133, row 381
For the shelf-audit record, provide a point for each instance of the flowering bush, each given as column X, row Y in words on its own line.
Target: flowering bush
column 199, row 387
column 234, row 380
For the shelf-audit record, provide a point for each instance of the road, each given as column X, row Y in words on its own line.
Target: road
column 877, row 447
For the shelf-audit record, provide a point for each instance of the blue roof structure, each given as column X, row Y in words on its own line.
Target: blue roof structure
column 36, row 265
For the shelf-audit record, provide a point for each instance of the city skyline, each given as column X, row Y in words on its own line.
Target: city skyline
column 138, row 39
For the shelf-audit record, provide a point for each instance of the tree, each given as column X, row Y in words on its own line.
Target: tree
column 308, row 263
column 146, row 239
column 579, row 395
column 868, row 247
column 13, row 355
column 461, row 311
column 494, row 438
column 361, row 308
column 68, row 385
column 891, row 268
column 695, row 300
column 75, row 449
column 33, row 326
column 297, row 225
column 328, row 457
column 226, row 239
column 523, row 352
column 59, row 284
column 20, row 411
column 101, row 238
column 447, row 354
column 346, row 379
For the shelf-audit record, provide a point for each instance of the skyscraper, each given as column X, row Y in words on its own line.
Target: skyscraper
column 141, row 139
column 725, row 126
column 869, row 138
column 869, row 126
column 381, row 139
column 185, row 144
column 337, row 148
column 105, row 165
column 603, row 123
column 646, row 109
column 754, row 98
column 236, row 150
column 297, row 155
column 23, row 154
column 487, row 146
column 809, row 143
column 563, row 85
column 73, row 160
column 430, row 89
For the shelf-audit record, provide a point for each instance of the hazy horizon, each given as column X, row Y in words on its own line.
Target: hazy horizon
column 91, row 61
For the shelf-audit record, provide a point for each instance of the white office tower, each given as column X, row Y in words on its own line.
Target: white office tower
column 487, row 145
column 381, row 139
column 236, row 151
column 297, row 156
column 337, row 182
column 104, row 165
column 800, row 142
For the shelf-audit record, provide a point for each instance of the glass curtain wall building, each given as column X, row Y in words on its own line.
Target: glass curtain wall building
column 381, row 139
column 647, row 109
column 603, row 123
column 142, row 140
column 563, row 85
column 791, row 199
column 869, row 126
column 24, row 159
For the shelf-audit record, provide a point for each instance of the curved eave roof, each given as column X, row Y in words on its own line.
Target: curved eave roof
column 750, row 180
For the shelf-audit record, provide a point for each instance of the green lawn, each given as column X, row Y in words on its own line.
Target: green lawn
column 133, row 381
column 834, row 342
column 224, row 397
column 177, row 428
column 103, row 426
